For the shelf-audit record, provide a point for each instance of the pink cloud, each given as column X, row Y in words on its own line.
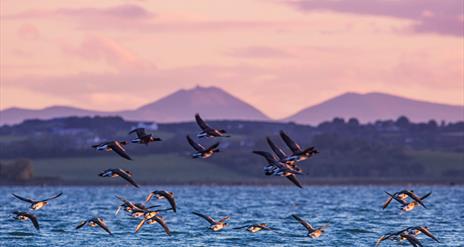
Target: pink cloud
column 260, row 52
column 28, row 32
column 102, row 48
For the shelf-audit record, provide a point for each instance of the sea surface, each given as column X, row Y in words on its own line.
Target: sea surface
column 354, row 214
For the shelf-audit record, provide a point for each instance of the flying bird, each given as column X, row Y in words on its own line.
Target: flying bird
column 277, row 168
column 143, row 137
column 94, row 222
column 153, row 220
column 402, row 196
column 298, row 154
column 312, row 232
column 21, row 216
column 162, row 194
column 408, row 206
column 409, row 234
column 255, row 227
column 207, row 131
column 37, row 204
column 214, row 225
column 116, row 146
column 282, row 156
column 118, row 172
column 202, row 152
column 134, row 209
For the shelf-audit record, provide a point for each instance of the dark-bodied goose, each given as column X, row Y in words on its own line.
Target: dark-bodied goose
column 283, row 157
column 408, row 234
column 134, row 209
column 37, row 204
column 207, row 131
column 277, row 168
column 408, row 206
column 298, row 154
column 162, row 194
column 118, row 172
column 94, row 222
column 27, row 216
column 153, row 219
column 116, row 146
column 202, row 152
column 214, row 225
column 143, row 137
column 255, row 227
column 403, row 195
column 312, row 232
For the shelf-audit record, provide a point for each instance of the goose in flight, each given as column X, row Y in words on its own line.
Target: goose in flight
column 298, row 154
column 312, row 232
column 277, row 168
column 118, row 172
column 134, row 209
column 408, row 206
column 202, row 152
column 37, row 204
column 116, row 146
column 153, row 219
column 410, row 234
column 143, row 137
column 282, row 156
column 255, row 227
column 207, row 131
column 94, row 222
column 402, row 196
column 214, row 225
column 21, row 216
column 162, row 194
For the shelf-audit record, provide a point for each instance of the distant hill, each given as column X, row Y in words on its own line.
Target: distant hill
column 374, row 106
column 211, row 102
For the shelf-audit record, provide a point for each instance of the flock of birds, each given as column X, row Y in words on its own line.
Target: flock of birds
column 285, row 165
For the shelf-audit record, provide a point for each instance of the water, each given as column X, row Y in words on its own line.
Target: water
column 354, row 214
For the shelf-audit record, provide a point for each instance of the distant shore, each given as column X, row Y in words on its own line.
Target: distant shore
column 258, row 182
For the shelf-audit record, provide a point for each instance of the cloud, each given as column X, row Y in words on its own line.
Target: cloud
column 260, row 52
column 443, row 16
column 28, row 32
column 98, row 47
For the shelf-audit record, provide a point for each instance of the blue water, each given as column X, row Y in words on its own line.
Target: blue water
column 354, row 214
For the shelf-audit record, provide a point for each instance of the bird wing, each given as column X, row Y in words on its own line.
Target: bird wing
column 139, row 131
column 139, row 226
column 163, row 224
column 271, row 159
column 168, row 197
column 306, row 224
column 150, row 196
column 209, row 219
column 396, row 199
column 427, row 232
column 128, row 203
column 126, row 176
column 81, row 224
column 119, row 149
column 387, row 202
column 201, row 123
column 279, row 152
column 33, row 219
column 425, row 196
column 224, row 219
column 195, row 145
column 412, row 240
column 212, row 147
column 101, row 223
column 290, row 143
column 379, row 240
column 54, row 197
column 24, row 199
column 414, row 197
column 294, row 180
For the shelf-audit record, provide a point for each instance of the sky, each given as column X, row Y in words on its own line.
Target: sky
column 278, row 55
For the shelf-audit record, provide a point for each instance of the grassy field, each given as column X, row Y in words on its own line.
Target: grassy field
column 150, row 168
column 436, row 163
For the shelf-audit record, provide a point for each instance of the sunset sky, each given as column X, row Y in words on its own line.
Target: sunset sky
column 279, row 55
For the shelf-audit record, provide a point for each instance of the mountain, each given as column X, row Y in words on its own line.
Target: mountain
column 17, row 115
column 210, row 102
column 374, row 106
